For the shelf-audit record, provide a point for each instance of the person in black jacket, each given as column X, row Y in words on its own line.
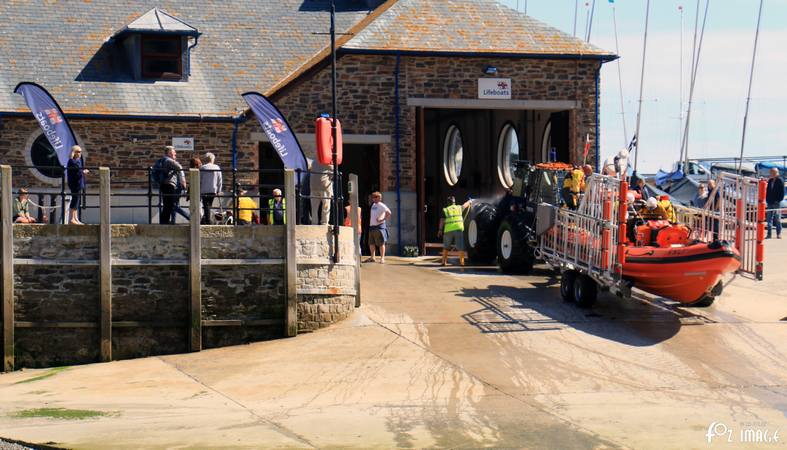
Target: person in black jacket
column 773, row 197
column 75, row 171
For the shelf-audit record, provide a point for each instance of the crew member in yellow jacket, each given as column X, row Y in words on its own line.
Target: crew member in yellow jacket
column 451, row 228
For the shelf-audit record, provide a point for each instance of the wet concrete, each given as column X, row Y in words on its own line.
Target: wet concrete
column 450, row 357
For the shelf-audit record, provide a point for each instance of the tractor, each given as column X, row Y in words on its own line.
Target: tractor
column 506, row 230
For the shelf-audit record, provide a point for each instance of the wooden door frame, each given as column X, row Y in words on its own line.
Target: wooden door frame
column 420, row 169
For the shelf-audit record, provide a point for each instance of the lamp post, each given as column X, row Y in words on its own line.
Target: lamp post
column 336, row 186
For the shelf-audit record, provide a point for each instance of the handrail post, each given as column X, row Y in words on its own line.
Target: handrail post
column 63, row 207
column 6, row 198
column 291, row 264
column 356, row 237
column 150, row 196
column 195, row 263
column 235, row 188
column 105, row 268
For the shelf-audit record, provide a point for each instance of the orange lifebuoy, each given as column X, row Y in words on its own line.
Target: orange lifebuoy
column 324, row 136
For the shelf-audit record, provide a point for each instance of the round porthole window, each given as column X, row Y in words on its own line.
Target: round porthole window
column 546, row 141
column 452, row 155
column 507, row 155
column 44, row 158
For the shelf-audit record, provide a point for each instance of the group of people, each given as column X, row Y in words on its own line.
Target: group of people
column 169, row 174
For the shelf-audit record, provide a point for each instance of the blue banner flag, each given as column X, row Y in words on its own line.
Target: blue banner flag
column 50, row 118
column 279, row 133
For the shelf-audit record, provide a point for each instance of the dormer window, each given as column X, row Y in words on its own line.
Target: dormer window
column 157, row 46
column 162, row 57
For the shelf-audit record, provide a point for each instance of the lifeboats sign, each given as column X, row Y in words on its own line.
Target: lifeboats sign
column 499, row 88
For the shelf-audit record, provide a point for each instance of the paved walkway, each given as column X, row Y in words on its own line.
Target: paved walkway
column 449, row 358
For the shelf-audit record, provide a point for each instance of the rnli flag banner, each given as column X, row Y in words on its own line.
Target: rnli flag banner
column 50, row 118
column 279, row 132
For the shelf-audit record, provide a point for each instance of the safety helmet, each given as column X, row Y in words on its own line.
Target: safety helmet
column 652, row 203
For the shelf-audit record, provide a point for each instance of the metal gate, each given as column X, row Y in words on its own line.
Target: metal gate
column 734, row 212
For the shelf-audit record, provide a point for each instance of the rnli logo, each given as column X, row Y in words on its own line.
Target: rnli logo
column 502, row 84
column 54, row 117
column 278, row 125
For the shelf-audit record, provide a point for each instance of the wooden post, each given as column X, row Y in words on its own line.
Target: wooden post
column 8, row 269
column 291, row 264
column 195, row 263
column 356, row 237
column 105, row 266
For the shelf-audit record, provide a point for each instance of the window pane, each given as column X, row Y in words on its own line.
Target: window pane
column 161, row 46
column 155, row 66
column 452, row 155
column 45, row 158
column 507, row 155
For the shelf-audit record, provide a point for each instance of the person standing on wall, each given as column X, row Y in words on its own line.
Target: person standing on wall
column 452, row 227
column 773, row 198
column 75, row 171
column 277, row 209
column 378, row 231
column 168, row 173
column 210, row 186
column 321, row 184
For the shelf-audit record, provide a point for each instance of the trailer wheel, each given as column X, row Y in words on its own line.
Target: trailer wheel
column 703, row 302
column 513, row 254
column 585, row 291
column 480, row 232
column 567, row 285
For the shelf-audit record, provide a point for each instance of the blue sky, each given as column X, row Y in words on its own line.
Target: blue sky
column 720, row 91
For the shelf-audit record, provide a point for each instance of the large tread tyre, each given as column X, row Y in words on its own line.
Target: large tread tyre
column 481, row 232
column 585, row 291
column 513, row 254
column 703, row 302
column 567, row 285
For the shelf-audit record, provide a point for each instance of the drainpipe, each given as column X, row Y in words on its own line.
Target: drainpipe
column 235, row 122
column 397, row 132
column 191, row 47
column 598, row 156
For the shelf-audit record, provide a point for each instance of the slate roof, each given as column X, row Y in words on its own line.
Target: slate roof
column 467, row 26
column 158, row 21
column 245, row 45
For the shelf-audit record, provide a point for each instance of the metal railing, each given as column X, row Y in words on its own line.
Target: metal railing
column 588, row 239
column 135, row 183
column 734, row 212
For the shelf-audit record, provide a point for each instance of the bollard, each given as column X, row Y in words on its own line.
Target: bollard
column 195, row 264
column 105, row 266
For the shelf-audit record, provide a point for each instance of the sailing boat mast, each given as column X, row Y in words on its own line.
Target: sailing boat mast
column 751, row 78
column 680, row 114
column 620, row 77
column 641, row 85
column 695, row 68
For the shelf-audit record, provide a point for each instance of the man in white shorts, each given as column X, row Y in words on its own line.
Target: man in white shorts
column 378, row 231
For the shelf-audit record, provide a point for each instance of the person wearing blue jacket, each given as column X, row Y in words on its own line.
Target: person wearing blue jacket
column 773, row 198
column 75, row 174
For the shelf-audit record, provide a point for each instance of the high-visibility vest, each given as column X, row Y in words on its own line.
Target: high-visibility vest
column 669, row 209
column 453, row 219
column 271, row 204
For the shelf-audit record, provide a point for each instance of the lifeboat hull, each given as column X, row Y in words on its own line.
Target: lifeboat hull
column 684, row 274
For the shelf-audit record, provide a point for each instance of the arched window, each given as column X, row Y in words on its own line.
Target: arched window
column 452, row 155
column 507, row 155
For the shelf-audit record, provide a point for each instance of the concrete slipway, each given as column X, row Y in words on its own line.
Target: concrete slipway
column 439, row 357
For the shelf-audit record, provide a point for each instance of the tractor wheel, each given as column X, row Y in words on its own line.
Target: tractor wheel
column 513, row 254
column 585, row 291
column 480, row 232
column 567, row 285
column 703, row 302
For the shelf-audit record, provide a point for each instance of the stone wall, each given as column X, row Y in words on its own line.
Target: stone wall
column 370, row 107
column 56, row 288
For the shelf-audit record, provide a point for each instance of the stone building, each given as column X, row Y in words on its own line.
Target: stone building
column 435, row 96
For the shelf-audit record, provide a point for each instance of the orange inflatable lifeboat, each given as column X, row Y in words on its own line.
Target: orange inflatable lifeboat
column 685, row 272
